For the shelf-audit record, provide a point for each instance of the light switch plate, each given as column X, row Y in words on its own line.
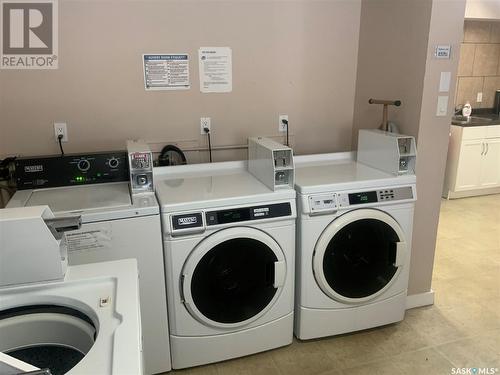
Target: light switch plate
column 479, row 97
column 444, row 82
column 442, row 106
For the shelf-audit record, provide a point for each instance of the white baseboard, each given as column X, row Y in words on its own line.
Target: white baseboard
column 421, row 299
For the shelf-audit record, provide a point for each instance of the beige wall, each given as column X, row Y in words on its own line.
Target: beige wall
column 293, row 57
column 391, row 62
column 397, row 40
column 433, row 137
column 479, row 66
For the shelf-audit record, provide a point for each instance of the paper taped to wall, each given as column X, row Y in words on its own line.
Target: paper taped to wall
column 166, row 71
column 216, row 72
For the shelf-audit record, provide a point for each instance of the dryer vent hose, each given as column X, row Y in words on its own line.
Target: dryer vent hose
column 171, row 155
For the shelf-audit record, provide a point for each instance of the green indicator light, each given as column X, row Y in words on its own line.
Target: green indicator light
column 98, row 175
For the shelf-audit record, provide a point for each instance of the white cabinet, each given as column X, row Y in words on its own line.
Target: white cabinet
column 473, row 165
column 469, row 165
column 490, row 165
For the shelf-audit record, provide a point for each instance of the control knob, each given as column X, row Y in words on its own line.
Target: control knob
column 83, row 165
column 113, row 163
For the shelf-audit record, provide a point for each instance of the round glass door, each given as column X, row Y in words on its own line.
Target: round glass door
column 358, row 255
column 233, row 279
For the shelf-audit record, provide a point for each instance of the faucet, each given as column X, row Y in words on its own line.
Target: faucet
column 458, row 109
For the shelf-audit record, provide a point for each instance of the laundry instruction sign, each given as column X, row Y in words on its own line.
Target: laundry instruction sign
column 29, row 34
column 166, row 71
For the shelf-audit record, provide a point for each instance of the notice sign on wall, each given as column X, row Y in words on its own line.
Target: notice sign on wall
column 216, row 72
column 166, row 71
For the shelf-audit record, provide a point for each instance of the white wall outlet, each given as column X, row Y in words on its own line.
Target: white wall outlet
column 479, row 98
column 60, row 128
column 205, row 123
column 281, row 125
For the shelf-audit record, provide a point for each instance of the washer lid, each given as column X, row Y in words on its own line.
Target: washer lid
column 96, row 202
column 359, row 255
column 233, row 277
column 344, row 175
column 79, row 198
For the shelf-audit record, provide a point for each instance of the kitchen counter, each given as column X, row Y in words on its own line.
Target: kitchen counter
column 480, row 117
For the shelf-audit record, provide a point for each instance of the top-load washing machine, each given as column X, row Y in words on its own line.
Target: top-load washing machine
column 76, row 320
column 116, row 225
column 354, row 232
column 229, row 260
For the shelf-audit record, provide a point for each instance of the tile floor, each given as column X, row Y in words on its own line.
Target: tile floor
column 462, row 328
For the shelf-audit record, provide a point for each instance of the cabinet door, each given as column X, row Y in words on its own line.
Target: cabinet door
column 469, row 165
column 490, row 165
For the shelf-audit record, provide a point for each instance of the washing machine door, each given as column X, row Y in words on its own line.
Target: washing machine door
column 359, row 255
column 233, row 277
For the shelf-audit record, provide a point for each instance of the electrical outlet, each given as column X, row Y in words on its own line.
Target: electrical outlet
column 479, row 98
column 281, row 126
column 205, row 123
column 60, row 128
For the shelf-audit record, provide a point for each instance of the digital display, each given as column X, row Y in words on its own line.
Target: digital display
column 230, row 216
column 364, row 197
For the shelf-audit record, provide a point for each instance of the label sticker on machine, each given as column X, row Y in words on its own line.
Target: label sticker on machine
column 89, row 239
column 187, row 221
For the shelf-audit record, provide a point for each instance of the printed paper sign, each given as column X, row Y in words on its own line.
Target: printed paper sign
column 216, row 72
column 89, row 239
column 166, row 71
column 442, row 52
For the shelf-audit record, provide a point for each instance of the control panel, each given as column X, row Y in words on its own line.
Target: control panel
column 323, row 202
column 141, row 167
column 71, row 169
column 333, row 201
column 248, row 213
column 194, row 222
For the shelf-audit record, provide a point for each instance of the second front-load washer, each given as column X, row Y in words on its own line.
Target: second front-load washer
column 354, row 232
column 229, row 261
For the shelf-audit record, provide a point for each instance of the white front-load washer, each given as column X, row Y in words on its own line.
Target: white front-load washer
column 115, row 225
column 229, row 256
column 354, row 232
column 88, row 323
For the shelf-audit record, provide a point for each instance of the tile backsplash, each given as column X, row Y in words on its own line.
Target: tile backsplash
column 479, row 66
